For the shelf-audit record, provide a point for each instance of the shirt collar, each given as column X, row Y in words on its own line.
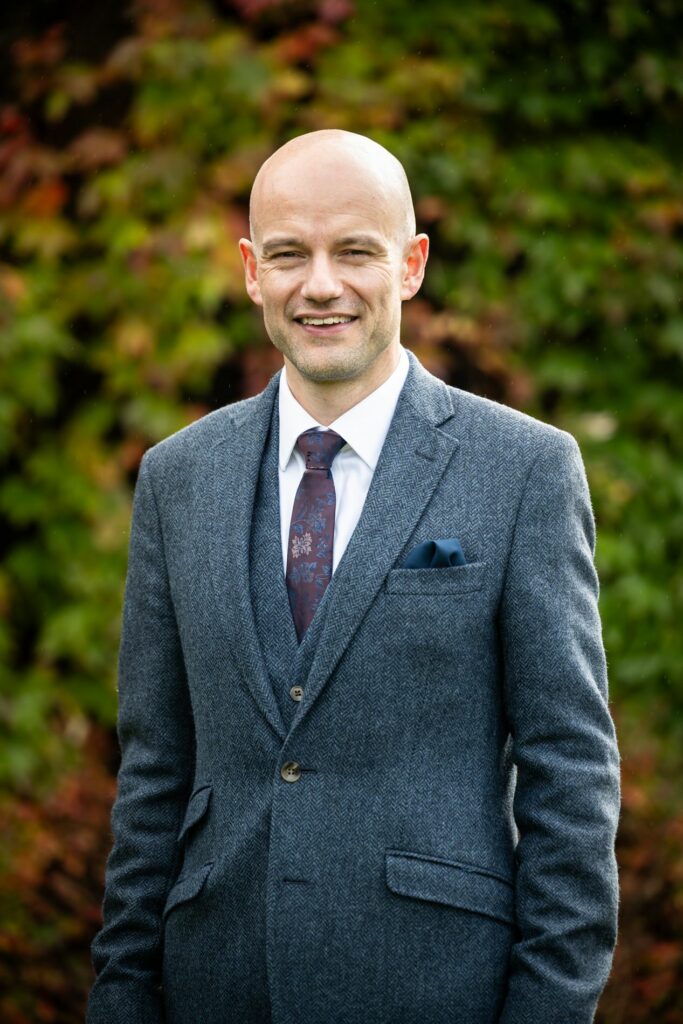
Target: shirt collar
column 364, row 426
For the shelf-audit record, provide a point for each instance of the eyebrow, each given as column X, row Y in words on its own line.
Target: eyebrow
column 369, row 241
column 281, row 243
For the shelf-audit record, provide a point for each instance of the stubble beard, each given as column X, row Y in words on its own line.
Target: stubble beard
column 326, row 365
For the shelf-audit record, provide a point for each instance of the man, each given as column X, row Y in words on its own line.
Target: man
column 369, row 772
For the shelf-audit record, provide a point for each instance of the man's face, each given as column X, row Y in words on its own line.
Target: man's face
column 329, row 246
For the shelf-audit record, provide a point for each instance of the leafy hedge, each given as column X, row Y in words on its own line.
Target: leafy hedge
column 543, row 147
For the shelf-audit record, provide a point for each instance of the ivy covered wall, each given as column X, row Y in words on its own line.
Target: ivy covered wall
column 542, row 142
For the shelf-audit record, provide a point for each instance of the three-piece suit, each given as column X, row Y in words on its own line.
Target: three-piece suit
column 442, row 851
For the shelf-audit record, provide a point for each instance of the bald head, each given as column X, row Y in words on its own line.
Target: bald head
column 324, row 161
column 332, row 256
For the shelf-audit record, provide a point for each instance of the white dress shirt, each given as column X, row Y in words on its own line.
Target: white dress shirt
column 364, row 428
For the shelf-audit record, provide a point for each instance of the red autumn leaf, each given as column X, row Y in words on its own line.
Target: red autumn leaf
column 45, row 51
column 46, row 198
column 302, row 46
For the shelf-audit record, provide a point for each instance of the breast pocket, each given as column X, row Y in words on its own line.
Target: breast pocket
column 452, row 579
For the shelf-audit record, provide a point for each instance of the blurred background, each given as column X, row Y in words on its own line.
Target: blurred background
column 543, row 143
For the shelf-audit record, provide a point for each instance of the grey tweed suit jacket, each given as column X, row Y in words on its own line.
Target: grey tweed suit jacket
column 447, row 854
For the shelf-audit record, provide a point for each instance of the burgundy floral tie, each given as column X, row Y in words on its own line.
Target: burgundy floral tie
column 311, row 532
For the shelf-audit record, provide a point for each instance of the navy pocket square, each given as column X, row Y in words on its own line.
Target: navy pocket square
column 435, row 554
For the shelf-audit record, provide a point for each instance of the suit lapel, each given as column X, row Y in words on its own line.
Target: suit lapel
column 413, row 459
column 236, row 463
column 274, row 622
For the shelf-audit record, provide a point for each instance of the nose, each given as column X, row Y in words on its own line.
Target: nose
column 321, row 283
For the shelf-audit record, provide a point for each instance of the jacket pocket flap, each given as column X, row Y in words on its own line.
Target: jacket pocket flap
column 187, row 887
column 464, row 886
column 196, row 809
column 450, row 579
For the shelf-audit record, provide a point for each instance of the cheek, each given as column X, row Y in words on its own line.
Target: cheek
column 275, row 292
column 380, row 287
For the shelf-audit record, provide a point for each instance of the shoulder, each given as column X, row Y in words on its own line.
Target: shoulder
column 194, row 442
column 480, row 422
column 535, row 461
column 487, row 425
column 508, row 450
column 177, row 468
column 207, row 430
column 530, row 462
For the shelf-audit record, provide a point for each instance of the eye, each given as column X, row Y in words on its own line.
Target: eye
column 355, row 252
column 285, row 255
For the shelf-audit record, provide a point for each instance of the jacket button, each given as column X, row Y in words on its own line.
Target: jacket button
column 296, row 692
column 291, row 771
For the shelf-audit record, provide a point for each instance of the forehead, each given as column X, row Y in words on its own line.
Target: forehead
column 325, row 199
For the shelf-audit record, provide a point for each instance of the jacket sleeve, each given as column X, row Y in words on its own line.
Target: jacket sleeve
column 563, row 744
column 156, row 736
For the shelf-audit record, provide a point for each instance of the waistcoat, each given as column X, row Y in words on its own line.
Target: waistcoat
column 287, row 661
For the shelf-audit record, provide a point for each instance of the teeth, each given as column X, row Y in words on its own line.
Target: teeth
column 315, row 321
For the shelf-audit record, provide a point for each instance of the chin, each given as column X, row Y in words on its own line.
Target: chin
column 325, row 370
column 329, row 361
column 326, row 363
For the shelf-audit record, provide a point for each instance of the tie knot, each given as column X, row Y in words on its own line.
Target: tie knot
column 319, row 447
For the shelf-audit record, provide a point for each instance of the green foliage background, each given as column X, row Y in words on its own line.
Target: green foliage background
column 542, row 142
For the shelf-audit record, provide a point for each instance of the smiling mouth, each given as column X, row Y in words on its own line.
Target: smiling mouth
column 324, row 321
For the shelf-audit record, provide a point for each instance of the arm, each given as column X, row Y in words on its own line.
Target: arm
column 157, row 745
column 567, row 797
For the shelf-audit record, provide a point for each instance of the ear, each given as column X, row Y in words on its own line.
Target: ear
column 250, row 277
column 414, row 262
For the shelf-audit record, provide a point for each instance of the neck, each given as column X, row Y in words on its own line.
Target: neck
column 327, row 400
